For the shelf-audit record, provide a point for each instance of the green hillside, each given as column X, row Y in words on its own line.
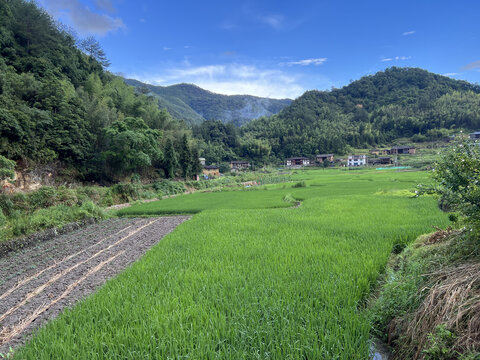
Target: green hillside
column 377, row 109
column 59, row 105
column 193, row 104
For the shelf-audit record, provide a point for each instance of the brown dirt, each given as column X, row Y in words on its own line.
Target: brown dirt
column 38, row 282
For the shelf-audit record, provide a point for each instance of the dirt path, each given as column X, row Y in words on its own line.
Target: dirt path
column 37, row 283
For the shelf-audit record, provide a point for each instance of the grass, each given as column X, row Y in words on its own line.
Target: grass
column 247, row 278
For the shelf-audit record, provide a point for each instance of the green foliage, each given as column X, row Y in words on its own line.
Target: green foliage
column 170, row 160
column 130, row 146
column 57, row 103
column 299, row 184
column 7, row 168
column 458, row 174
column 54, row 216
column 377, row 109
column 246, row 279
column 440, row 344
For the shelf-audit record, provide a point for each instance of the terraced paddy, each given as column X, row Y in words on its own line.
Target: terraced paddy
column 251, row 277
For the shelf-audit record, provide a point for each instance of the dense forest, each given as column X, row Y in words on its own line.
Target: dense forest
column 194, row 105
column 59, row 104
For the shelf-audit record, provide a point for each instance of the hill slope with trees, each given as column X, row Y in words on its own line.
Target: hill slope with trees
column 58, row 104
column 193, row 104
column 377, row 109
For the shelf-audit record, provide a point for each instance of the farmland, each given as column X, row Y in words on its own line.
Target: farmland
column 250, row 276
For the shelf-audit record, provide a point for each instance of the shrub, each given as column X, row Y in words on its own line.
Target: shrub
column 42, row 198
column 299, row 184
column 457, row 172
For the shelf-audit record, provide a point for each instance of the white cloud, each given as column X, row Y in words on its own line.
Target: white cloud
column 306, row 62
column 83, row 19
column 105, row 5
column 274, row 20
column 472, row 65
column 396, row 58
column 166, row 48
column 406, row 33
column 231, row 79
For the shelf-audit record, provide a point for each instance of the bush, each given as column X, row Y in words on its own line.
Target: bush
column 53, row 216
column 458, row 175
column 125, row 192
column 167, row 187
column 42, row 198
column 299, row 184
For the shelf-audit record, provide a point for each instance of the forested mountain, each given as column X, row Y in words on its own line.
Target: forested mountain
column 193, row 104
column 377, row 109
column 59, row 104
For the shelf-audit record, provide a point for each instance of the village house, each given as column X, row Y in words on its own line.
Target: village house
column 211, row 170
column 202, row 161
column 323, row 157
column 375, row 152
column 400, row 150
column 297, row 162
column 475, row 135
column 382, row 160
column 357, row 160
column 239, row 165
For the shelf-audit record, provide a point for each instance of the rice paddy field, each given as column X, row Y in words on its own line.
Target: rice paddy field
column 250, row 276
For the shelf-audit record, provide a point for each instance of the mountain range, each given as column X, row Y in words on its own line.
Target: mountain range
column 194, row 105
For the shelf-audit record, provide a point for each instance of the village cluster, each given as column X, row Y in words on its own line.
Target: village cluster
column 374, row 158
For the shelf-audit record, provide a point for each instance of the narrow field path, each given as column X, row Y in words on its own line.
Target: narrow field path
column 37, row 283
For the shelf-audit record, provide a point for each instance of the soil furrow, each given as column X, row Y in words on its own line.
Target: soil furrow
column 71, row 272
column 8, row 333
column 56, row 264
column 42, row 287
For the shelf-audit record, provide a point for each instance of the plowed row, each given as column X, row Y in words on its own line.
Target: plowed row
column 37, row 283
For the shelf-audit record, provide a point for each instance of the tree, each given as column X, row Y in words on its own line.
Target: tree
column 92, row 47
column 195, row 165
column 130, row 146
column 170, row 161
column 458, row 173
column 184, row 158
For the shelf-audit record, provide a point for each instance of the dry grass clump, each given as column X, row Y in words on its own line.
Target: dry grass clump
column 439, row 235
column 452, row 300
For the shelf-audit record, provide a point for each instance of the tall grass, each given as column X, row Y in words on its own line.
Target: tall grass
column 253, row 283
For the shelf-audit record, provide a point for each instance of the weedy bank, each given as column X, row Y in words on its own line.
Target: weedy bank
column 249, row 276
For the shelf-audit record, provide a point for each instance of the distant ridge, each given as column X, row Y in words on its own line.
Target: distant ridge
column 194, row 105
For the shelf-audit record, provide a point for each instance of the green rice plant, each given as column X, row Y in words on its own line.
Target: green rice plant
column 249, row 278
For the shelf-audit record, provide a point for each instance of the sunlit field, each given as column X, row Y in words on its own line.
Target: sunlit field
column 252, row 275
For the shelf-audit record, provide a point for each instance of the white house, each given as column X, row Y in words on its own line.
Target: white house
column 357, row 160
column 298, row 162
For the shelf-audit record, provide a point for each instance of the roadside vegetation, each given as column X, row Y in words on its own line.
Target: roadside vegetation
column 253, row 281
column 428, row 305
column 25, row 213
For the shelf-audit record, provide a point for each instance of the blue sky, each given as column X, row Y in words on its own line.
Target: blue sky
column 277, row 48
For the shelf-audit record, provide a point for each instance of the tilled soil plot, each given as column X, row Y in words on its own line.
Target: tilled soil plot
column 37, row 283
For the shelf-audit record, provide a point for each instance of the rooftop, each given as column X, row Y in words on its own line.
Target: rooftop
column 402, row 147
